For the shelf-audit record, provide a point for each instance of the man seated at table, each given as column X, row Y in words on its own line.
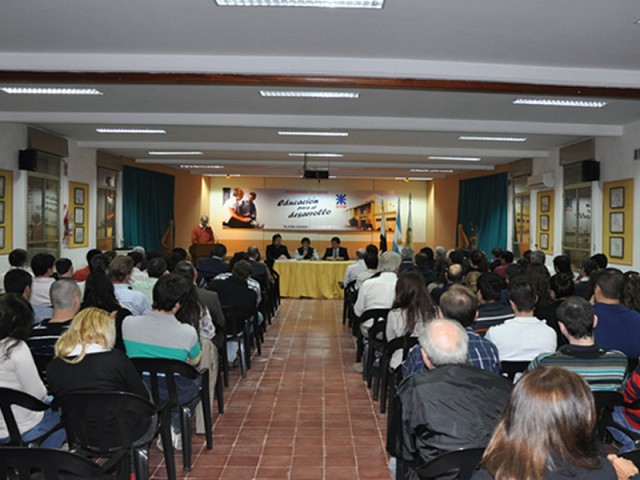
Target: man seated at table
column 306, row 252
column 276, row 251
column 336, row 252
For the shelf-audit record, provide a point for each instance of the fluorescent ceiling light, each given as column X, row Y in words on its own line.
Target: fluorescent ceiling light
column 368, row 4
column 406, row 179
column 550, row 102
column 131, row 130
column 476, row 138
column 329, row 155
column 308, row 94
column 202, row 166
column 459, row 159
column 174, row 153
column 429, row 170
column 50, row 91
column 314, row 134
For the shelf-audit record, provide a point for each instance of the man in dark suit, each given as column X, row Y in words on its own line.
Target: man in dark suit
column 336, row 252
column 260, row 270
column 210, row 267
column 276, row 250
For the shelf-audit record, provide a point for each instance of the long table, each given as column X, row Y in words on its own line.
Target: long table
column 310, row 279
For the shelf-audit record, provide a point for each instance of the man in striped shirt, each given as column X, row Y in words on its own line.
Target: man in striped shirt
column 603, row 370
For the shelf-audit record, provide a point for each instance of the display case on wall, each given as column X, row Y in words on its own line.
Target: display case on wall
column 79, row 214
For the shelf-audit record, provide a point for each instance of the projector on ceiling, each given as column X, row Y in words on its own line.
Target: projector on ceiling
column 317, row 174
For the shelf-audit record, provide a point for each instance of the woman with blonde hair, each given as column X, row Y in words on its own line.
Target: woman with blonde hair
column 85, row 359
column 547, row 432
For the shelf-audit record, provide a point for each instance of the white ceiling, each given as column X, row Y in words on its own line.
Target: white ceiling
column 587, row 43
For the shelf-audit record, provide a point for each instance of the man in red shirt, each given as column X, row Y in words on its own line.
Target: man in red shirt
column 202, row 233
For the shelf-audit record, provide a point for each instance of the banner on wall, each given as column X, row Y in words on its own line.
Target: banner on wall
column 308, row 209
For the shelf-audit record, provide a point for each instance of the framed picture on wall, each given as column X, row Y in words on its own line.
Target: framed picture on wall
column 78, row 235
column 1, row 212
column 616, row 247
column 616, row 197
column 2, row 180
column 78, row 196
column 2, row 239
column 78, row 217
column 616, row 222
column 544, row 203
column 544, row 223
column 544, row 241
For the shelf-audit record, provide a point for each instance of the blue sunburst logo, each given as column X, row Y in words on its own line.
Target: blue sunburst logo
column 341, row 199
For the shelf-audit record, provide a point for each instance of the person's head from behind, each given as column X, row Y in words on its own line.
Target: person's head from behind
column 91, row 326
column 276, row 239
column 422, row 260
column 92, row 253
column 219, row 250
column 428, row 251
column 538, row 256
column 137, row 258
column 169, row 291
column 242, row 269
column 237, row 257
column 389, row 262
column 562, row 264
column 631, row 291
column 407, row 254
column 42, row 264
column 18, row 258
column 601, row 260
column 157, row 267
column 455, row 273
column 548, row 421
column 443, row 342
column 413, row 298
column 576, row 318
column 496, row 253
column 456, row 257
column 64, row 268
column 562, row 285
column 588, row 267
column 16, row 320
column 441, row 253
column 120, row 269
column 18, row 281
column 99, row 292
column 335, row 242
column 522, row 295
column 479, row 260
column 65, row 296
column 490, row 287
column 460, row 304
column 99, row 262
column 609, row 284
column 180, row 253
column 360, row 253
column 372, row 249
column 506, row 257
column 371, row 261
column 186, row 270
column 253, row 252
column 512, row 271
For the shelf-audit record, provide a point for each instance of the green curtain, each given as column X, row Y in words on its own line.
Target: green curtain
column 482, row 208
column 148, row 207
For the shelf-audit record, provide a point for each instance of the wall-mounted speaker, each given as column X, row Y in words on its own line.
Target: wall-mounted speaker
column 590, row 171
column 28, row 160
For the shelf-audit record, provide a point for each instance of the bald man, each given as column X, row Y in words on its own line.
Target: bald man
column 202, row 233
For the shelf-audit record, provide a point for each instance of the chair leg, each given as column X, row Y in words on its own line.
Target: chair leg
column 205, row 398
column 225, row 365
column 141, row 463
column 384, row 388
column 167, row 445
column 185, row 423
column 247, row 346
column 243, row 358
column 219, row 392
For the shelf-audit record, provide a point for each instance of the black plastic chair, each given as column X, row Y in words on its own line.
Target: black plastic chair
column 115, row 424
column 377, row 314
column 605, row 403
column 510, row 369
column 237, row 329
column 166, row 370
column 392, row 377
column 373, row 360
column 49, row 464
column 350, row 295
column 633, row 455
column 9, row 398
column 464, row 461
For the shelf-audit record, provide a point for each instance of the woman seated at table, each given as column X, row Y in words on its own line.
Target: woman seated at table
column 546, row 432
column 306, row 252
column 18, row 372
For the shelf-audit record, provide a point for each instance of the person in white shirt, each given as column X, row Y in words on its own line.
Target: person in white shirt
column 352, row 271
column 233, row 217
column 306, row 251
column 523, row 337
column 17, row 259
column 119, row 273
column 137, row 274
column 371, row 264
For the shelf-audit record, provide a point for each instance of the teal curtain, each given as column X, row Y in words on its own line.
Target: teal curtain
column 482, row 210
column 148, row 207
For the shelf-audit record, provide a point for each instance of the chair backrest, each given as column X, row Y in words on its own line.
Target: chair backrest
column 51, row 464
column 406, row 343
column 633, row 455
column 234, row 320
column 510, row 369
column 161, row 369
column 605, row 402
column 9, row 397
column 464, row 461
column 377, row 314
column 633, row 363
column 104, row 422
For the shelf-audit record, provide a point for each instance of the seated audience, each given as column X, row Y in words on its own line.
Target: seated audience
column 137, row 272
column 539, row 277
column 371, row 268
column 561, row 287
column 491, row 309
column 546, row 431
column 261, row 272
column 538, row 257
column 423, row 265
column 64, row 268
column 18, row 281
column 252, row 283
column 18, row 372
column 601, row 260
column 433, row 422
column 583, row 285
column 562, row 264
column 305, row 251
column 66, row 299
column 496, row 253
column 352, row 271
column 406, row 254
column 631, row 291
column 210, row 267
column 119, row 273
column 478, row 262
column 157, row 267
column 335, row 252
column 628, row 416
column 461, row 305
column 42, row 265
column 454, row 276
column 523, row 337
column 618, row 326
column 601, row 369
column 411, row 307
column 82, row 274
column 506, row 258
column 17, row 260
column 276, row 251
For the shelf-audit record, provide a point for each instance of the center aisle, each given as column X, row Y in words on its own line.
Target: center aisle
column 301, row 413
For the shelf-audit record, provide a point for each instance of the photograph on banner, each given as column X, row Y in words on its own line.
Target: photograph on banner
column 282, row 209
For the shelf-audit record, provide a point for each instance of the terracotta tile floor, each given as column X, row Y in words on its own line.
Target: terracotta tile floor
column 301, row 413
